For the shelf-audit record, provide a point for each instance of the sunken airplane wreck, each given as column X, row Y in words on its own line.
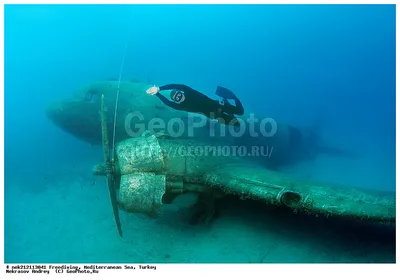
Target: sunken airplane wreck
column 137, row 112
column 149, row 167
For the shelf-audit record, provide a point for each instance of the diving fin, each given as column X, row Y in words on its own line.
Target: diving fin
column 225, row 93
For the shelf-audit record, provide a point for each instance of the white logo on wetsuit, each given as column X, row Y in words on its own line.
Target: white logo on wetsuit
column 178, row 96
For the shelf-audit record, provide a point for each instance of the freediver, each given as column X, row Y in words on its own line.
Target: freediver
column 187, row 99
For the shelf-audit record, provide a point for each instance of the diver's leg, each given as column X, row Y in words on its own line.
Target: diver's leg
column 228, row 94
column 233, row 110
column 239, row 107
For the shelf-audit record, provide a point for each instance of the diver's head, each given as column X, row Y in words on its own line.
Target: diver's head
column 177, row 96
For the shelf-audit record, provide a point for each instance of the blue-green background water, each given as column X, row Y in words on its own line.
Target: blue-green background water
column 328, row 66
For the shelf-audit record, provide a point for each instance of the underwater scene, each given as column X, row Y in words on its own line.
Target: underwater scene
column 199, row 134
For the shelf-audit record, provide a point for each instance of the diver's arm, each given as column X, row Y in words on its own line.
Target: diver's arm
column 167, row 102
column 175, row 86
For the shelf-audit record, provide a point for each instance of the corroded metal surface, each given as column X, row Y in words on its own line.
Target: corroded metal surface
column 142, row 190
column 142, row 193
column 252, row 182
column 139, row 154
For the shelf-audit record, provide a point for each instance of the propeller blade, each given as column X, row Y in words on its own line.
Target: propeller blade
column 110, row 175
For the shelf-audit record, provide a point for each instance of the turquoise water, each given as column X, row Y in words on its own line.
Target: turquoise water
column 330, row 67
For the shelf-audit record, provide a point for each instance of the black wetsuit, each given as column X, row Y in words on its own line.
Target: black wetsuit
column 196, row 102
